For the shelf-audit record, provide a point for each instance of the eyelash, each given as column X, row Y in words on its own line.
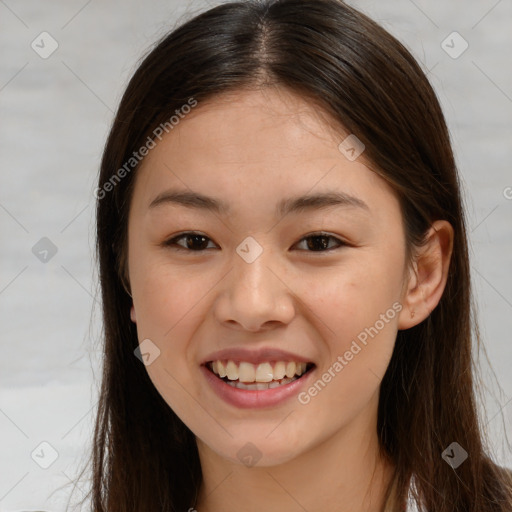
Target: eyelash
column 171, row 243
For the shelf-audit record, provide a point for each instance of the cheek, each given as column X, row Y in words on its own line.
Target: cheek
column 352, row 296
column 355, row 309
column 167, row 299
column 169, row 310
column 163, row 292
column 164, row 302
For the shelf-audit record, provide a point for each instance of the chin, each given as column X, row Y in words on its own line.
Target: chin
column 257, row 451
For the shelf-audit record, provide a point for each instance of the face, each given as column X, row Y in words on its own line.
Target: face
column 322, row 283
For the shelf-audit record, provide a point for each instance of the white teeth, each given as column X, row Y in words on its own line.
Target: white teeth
column 259, row 386
column 246, row 372
column 232, row 370
column 221, row 369
column 301, row 368
column 279, row 370
column 262, row 373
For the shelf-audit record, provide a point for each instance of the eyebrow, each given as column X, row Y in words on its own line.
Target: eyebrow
column 297, row 204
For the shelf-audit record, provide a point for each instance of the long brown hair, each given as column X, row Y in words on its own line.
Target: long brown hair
column 144, row 458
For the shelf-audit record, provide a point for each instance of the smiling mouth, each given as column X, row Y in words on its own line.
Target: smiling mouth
column 260, row 377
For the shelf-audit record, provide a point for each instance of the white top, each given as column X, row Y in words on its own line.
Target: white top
column 411, row 504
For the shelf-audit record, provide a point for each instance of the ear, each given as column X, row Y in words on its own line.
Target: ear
column 132, row 314
column 428, row 277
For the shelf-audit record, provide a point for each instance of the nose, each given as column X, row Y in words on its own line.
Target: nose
column 255, row 296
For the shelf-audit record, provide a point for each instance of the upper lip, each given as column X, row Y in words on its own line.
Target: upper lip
column 255, row 356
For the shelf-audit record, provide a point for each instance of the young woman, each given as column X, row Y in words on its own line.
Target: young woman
column 285, row 277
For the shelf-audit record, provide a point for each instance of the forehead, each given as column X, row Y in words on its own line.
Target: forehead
column 255, row 147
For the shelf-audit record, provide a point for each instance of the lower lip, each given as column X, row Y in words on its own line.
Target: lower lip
column 252, row 399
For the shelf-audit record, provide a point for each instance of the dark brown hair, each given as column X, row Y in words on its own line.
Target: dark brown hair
column 144, row 458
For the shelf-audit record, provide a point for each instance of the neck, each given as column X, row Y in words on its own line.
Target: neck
column 343, row 473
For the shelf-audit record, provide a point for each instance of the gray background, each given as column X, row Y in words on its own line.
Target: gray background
column 54, row 118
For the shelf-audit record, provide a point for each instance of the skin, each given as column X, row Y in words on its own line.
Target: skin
column 251, row 149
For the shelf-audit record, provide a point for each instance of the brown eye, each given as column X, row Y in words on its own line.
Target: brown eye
column 319, row 242
column 195, row 242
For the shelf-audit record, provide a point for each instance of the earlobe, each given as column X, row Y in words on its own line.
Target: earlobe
column 132, row 314
column 427, row 282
